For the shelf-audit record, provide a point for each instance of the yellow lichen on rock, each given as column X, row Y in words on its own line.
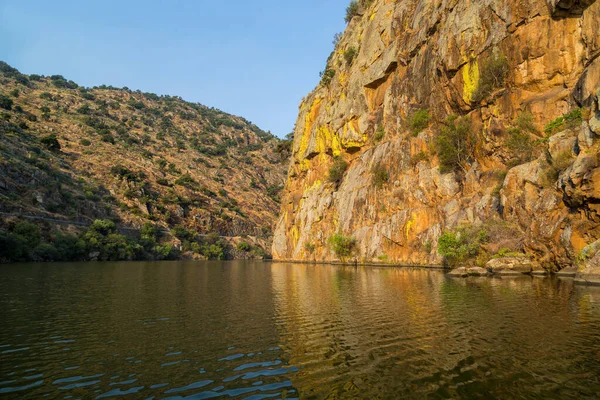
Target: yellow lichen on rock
column 328, row 140
column 309, row 121
column 471, row 80
column 409, row 225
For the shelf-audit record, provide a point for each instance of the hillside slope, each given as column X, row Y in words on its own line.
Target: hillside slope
column 470, row 122
column 75, row 154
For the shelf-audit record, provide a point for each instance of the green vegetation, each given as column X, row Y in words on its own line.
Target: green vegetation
column 379, row 134
column 6, row 102
column 85, row 142
column 244, row 246
column 455, row 144
column 343, row 246
column 309, row 247
column 568, row 121
column 51, row 142
column 351, row 10
column 418, row 121
column 519, row 143
column 380, row 175
column 337, row 169
column 350, row 54
column 417, row 158
column 187, row 181
column 492, row 75
column 462, row 245
column 504, row 252
column 327, row 75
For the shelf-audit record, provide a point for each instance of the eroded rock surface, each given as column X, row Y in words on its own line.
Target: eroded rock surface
column 430, row 55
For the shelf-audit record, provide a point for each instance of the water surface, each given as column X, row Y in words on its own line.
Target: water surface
column 260, row 330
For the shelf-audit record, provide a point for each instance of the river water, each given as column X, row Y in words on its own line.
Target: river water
column 274, row 330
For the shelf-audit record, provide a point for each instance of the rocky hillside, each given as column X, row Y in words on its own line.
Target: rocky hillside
column 450, row 131
column 70, row 154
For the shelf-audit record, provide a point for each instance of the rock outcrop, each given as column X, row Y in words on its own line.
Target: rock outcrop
column 397, row 58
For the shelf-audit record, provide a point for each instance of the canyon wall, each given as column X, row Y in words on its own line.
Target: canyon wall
column 398, row 60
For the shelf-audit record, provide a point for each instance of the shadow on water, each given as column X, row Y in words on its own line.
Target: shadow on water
column 260, row 330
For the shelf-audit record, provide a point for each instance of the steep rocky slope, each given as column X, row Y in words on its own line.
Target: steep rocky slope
column 377, row 159
column 73, row 154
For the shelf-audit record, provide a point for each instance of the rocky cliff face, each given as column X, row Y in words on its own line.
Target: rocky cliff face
column 513, row 70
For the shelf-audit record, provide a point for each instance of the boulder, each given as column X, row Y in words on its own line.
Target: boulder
column 568, row 272
column 510, row 265
column 476, row 271
column 589, row 271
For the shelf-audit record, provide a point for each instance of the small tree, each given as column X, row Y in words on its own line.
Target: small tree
column 351, row 10
column 492, row 75
column 455, row 144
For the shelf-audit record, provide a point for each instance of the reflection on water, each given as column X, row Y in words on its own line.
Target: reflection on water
column 260, row 330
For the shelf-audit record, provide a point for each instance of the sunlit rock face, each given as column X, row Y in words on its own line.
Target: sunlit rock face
column 434, row 55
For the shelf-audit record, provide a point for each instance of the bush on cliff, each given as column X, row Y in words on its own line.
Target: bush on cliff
column 380, row 175
column 337, row 169
column 455, row 144
column 492, row 75
column 418, row 121
column 342, row 246
column 350, row 54
column 351, row 10
column 519, row 143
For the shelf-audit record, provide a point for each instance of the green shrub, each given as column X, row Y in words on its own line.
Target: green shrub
column 379, row 134
column 29, row 233
column 309, row 247
column 520, row 146
column 570, row 120
column 85, row 142
column 418, row 121
column 12, row 247
column 337, row 169
column 45, row 252
column 350, row 54
column 380, row 175
column 417, row 158
column 243, row 246
column 351, row 10
column 462, row 245
column 84, row 109
column 102, row 237
column 343, row 246
column 187, row 181
column 6, row 102
column 51, row 142
column 492, row 75
column 504, row 252
column 46, row 96
column 455, row 144
column 14, row 93
column 327, row 76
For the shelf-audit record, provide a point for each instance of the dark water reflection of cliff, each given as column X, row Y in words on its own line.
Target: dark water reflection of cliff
column 261, row 330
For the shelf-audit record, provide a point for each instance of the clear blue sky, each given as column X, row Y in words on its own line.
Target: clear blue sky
column 256, row 59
